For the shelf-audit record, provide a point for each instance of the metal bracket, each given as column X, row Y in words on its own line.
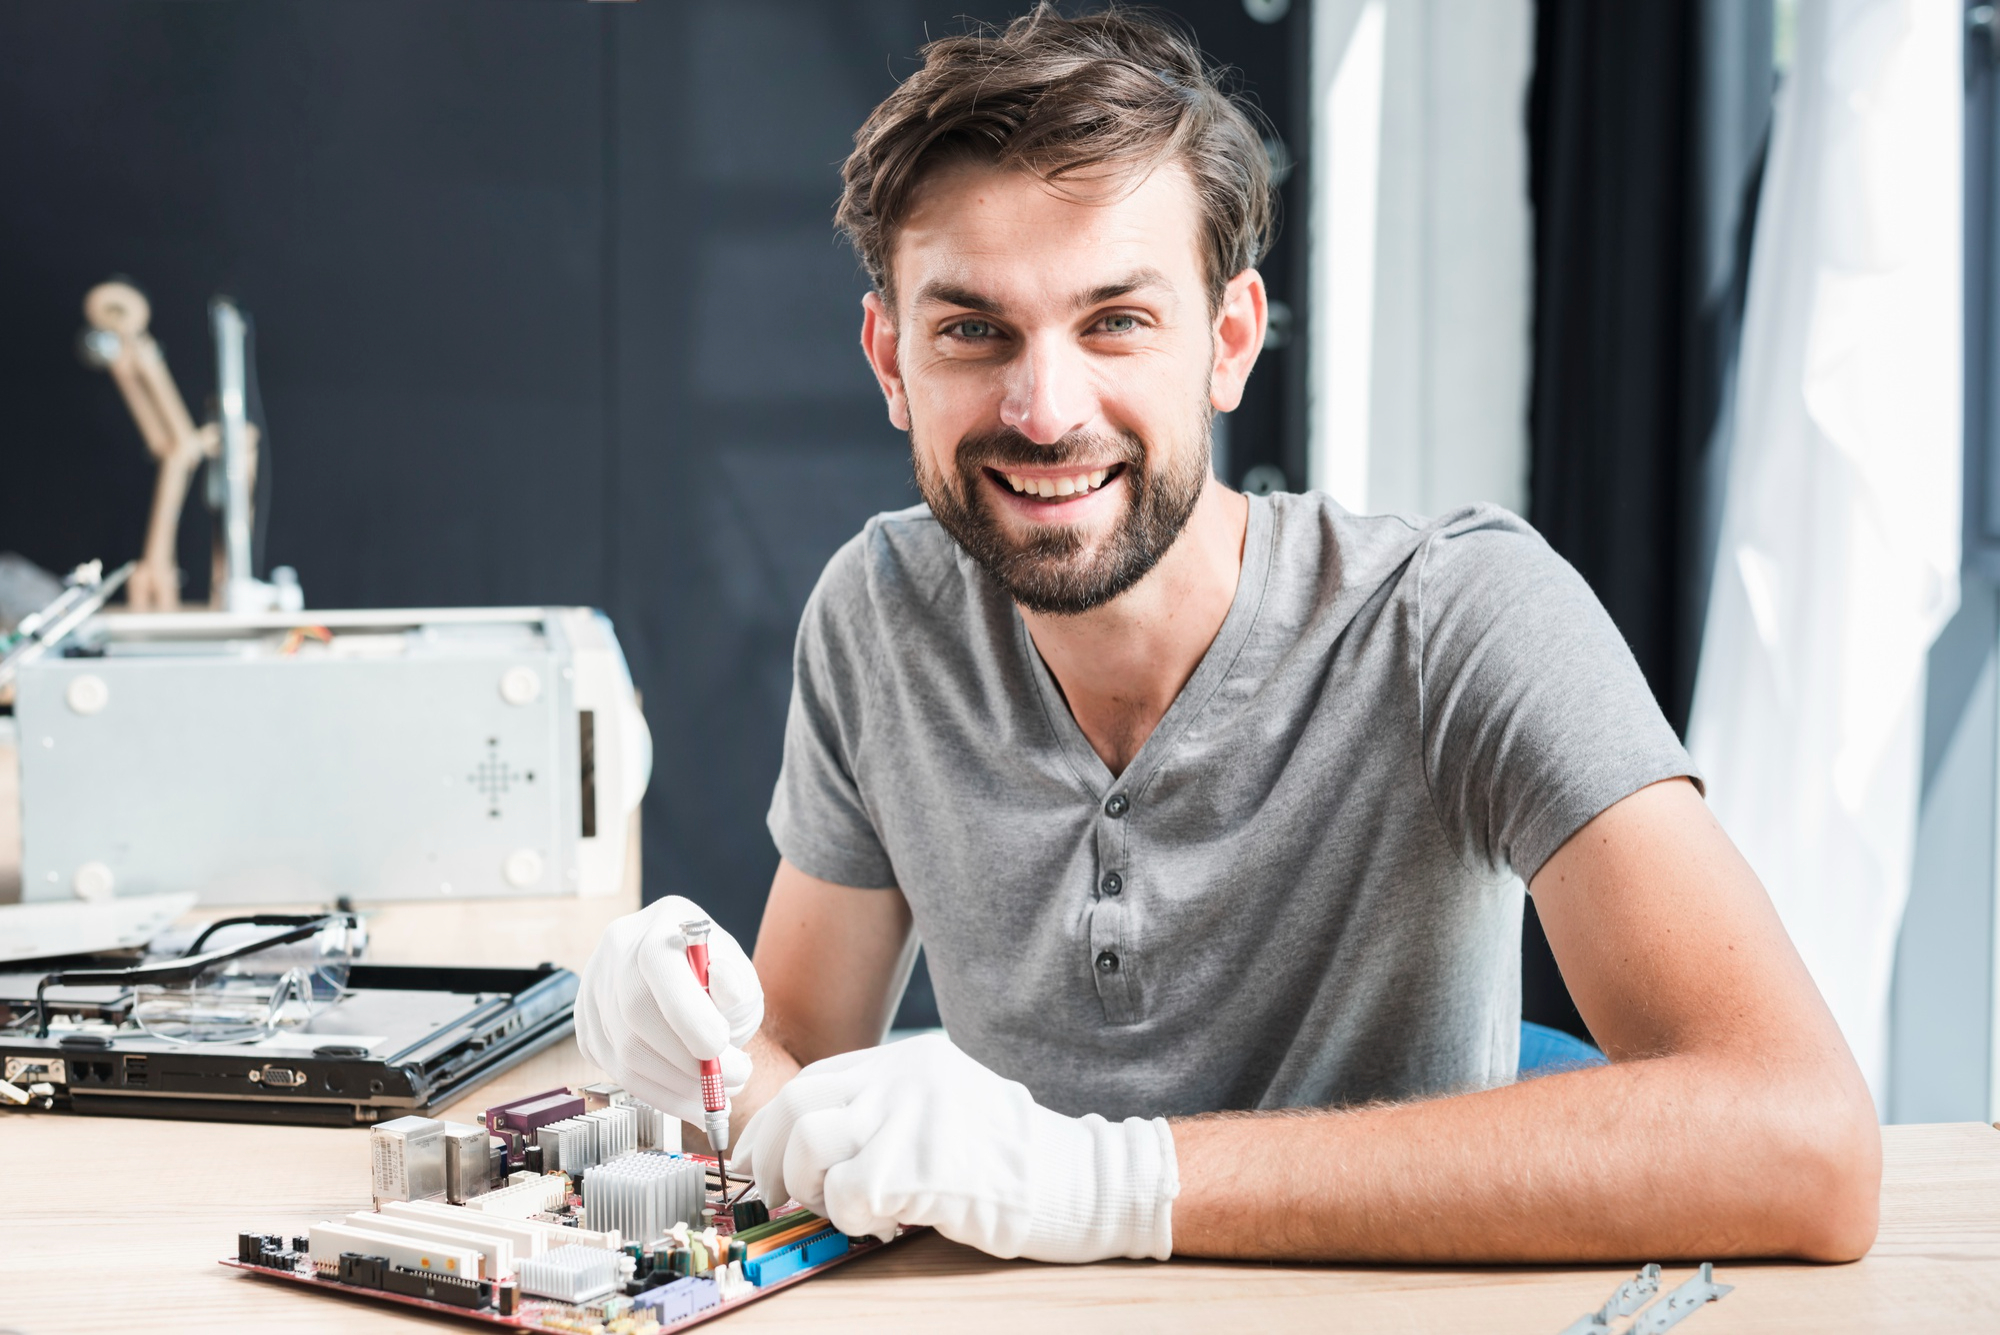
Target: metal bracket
column 1628, row 1298
column 1682, row 1303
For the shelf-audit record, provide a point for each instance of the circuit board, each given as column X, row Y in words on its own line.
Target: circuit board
column 537, row 1314
column 573, row 1210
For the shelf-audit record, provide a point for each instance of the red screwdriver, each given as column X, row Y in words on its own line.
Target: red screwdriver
column 714, row 1099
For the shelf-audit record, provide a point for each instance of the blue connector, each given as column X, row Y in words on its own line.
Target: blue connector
column 802, row 1255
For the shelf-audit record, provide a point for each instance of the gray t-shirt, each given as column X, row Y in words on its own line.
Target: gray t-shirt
column 1303, row 890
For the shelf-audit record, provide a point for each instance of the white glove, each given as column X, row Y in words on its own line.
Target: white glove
column 919, row 1133
column 643, row 1019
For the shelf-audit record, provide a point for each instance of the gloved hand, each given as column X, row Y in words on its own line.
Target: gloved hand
column 642, row 1017
column 919, row 1133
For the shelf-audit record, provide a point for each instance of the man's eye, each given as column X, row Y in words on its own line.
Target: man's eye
column 1118, row 324
column 972, row 329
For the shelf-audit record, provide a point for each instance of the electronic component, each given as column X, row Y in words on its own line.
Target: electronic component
column 329, row 1240
column 604, row 1094
column 629, row 1244
column 496, row 1251
column 788, row 1260
column 795, row 1223
column 407, row 1158
column 517, row 1122
column 577, row 1143
column 467, row 1162
column 530, row 1237
column 518, row 1200
column 573, row 1274
column 437, row 1288
column 363, row 1271
column 643, row 1195
column 680, row 1299
column 657, row 1131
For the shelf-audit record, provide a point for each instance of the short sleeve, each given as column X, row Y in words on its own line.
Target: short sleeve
column 1535, row 715
column 818, row 818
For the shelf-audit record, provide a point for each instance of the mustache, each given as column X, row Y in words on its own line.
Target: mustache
column 993, row 449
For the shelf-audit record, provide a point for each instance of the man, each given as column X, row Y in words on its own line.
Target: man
column 1209, row 809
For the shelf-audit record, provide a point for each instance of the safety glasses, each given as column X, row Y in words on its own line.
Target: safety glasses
column 241, row 980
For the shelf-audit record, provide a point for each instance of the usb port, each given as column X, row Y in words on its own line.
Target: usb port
column 135, row 1071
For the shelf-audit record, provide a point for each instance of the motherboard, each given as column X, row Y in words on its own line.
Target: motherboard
column 573, row 1210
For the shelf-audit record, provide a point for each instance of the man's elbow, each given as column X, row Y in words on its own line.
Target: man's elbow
column 1829, row 1183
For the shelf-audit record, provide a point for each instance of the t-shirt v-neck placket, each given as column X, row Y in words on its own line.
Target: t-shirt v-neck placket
column 1114, row 913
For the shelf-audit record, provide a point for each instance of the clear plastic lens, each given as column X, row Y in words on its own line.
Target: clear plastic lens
column 254, row 995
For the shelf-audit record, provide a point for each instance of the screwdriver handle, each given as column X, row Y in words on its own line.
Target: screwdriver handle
column 714, row 1099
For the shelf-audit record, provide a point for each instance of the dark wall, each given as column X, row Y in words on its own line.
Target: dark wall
column 549, row 311
column 1647, row 124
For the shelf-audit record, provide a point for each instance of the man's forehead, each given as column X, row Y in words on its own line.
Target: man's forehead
column 1007, row 236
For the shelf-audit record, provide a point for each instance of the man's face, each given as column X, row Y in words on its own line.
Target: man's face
column 1052, row 362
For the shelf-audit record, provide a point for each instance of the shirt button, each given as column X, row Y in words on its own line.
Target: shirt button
column 1112, row 883
column 1107, row 962
column 1117, row 805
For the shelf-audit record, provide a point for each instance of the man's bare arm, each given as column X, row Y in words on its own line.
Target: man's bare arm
column 1732, row 1122
column 833, row 961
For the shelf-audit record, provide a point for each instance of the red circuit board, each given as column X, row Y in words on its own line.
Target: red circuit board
column 532, row 1309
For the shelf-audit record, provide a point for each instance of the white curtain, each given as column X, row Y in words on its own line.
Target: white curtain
column 1839, row 554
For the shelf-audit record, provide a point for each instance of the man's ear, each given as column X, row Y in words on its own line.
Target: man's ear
column 878, row 342
column 1238, row 338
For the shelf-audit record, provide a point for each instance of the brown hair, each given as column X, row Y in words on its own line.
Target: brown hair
column 1059, row 96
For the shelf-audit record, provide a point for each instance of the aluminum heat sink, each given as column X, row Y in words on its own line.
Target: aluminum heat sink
column 643, row 1195
column 572, row 1274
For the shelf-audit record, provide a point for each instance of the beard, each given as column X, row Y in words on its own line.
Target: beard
column 1056, row 569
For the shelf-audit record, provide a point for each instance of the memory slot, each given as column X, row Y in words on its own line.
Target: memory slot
column 496, row 1252
column 329, row 1240
column 645, row 1194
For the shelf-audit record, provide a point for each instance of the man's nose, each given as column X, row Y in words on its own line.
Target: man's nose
column 1047, row 393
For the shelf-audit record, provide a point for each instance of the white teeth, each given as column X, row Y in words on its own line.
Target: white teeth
column 1076, row 484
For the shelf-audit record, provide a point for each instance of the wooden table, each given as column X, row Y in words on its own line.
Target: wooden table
column 119, row 1224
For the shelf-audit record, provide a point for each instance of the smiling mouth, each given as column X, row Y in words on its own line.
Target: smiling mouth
column 1057, row 486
